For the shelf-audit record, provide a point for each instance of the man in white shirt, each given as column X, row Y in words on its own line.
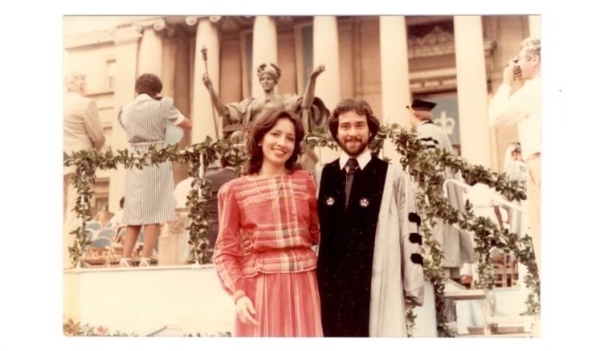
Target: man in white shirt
column 524, row 108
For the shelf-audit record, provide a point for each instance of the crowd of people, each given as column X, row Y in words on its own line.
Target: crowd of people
column 333, row 252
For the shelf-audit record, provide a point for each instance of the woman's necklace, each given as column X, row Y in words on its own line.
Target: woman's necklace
column 276, row 193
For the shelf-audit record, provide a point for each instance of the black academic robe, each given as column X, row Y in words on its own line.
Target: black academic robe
column 345, row 258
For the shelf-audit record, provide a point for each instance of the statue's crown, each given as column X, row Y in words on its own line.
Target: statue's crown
column 271, row 69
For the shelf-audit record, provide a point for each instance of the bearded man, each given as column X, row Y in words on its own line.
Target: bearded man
column 369, row 263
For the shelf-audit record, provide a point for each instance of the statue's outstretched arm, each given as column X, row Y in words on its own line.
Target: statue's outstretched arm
column 309, row 96
column 217, row 103
column 309, row 93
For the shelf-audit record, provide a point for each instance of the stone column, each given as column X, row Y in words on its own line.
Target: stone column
column 264, row 48
column 172, row 68
column 326, row 52
column 207, row 36
column 151, row 48
column 395, row 86
column 169, row 62
column 472, row 90
column 126, row 41
column 535, row 26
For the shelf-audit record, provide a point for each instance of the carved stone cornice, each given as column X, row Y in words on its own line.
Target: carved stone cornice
column 126, row 34
column 435, row 43
column 88, row 39
column 438, row 43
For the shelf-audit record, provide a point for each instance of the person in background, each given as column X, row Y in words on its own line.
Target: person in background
column 457, row 245
column 524, row 107
column 149, row 191
column 82, row 130
column 217, row 177
column 274, row 207
column 515, row 170
column 103, row 217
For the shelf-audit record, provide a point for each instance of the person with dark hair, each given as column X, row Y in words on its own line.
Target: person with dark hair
column 149, row 191
column 274, row 208
column 217, row 177
column 369, row 259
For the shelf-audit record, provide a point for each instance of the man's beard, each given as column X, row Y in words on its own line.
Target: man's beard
column 356, row 151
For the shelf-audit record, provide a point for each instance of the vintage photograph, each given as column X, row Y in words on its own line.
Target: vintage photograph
column 302, row 176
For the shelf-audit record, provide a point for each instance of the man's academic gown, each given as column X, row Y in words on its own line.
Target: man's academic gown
column 369, row 257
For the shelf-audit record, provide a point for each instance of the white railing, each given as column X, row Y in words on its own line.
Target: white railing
column 491, row 321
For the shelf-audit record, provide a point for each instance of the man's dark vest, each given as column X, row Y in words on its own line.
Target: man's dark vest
column 345, row 259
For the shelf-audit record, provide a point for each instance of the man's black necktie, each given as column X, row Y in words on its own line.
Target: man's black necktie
column 351, row 166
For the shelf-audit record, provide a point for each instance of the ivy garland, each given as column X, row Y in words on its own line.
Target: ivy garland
column 425, row 167
column 70, row 328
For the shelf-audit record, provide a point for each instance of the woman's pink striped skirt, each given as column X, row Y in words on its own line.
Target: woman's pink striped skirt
column 287, row 304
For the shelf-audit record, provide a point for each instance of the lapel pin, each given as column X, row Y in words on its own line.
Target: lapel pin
column 330, row 201
column 364, row 202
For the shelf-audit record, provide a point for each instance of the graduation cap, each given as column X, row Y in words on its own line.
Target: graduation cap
column 421, row 105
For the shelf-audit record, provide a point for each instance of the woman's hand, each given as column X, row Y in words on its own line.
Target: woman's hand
column 245, row 309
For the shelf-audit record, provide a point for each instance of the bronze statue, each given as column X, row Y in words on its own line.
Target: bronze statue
column 237, row 115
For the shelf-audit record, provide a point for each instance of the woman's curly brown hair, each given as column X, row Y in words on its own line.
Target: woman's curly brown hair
column 148, row 83
column 259, row 128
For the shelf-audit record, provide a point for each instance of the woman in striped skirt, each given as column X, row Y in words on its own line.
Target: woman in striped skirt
column 273, row 206
column 148, row 191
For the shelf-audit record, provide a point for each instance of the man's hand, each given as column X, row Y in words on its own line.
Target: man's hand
column 508, row 75
column 245, row 309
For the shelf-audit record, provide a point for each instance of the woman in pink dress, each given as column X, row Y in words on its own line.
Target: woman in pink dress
column 274, row 207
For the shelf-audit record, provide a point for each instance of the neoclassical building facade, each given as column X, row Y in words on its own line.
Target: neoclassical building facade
column 456, row 61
